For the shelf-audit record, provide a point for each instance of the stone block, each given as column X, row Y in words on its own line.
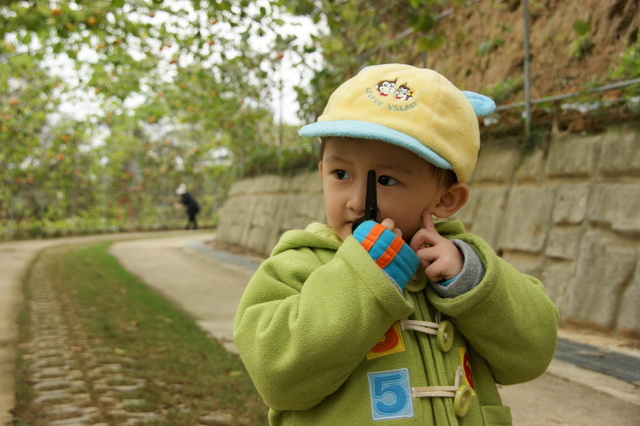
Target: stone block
column 315, row 184
column 496, row 162
column 527, row 219
column 270, row 184
column 310, row 209
column 247, row 235
column 531, row 168
column 236, row 189
column 563, row 242
column 572, row 156
column 467, row 212
column 570, row 204
column 289, row 211
column 616, row 205
column 525, row 263
column 234, row 219
column 308, row 183
column 620, row 153
column 557, row 277
column 603, row 270
column 629, row 314
column 484, row 217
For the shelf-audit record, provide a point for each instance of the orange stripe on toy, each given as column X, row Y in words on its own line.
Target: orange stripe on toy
column 390, row 253
column 372, row 236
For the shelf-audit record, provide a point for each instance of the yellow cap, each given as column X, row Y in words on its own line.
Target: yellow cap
column 415, row 108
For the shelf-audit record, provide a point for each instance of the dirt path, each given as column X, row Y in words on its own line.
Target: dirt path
column 201, row 284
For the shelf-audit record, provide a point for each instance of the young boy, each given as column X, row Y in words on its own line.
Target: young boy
column 403, row 321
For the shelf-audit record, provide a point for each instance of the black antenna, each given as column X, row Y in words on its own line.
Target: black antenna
column 371, row 202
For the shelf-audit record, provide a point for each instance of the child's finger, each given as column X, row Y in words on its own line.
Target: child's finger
column 426, row 236
column 390, row 225
column 427, row 220
column 438, row 264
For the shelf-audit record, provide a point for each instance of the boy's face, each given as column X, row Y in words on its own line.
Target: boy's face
column 406, row 185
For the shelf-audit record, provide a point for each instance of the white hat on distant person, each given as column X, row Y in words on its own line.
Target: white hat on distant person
column 181, row 189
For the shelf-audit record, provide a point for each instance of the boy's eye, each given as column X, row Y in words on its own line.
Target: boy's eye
column 386, row 181
column 342, row 174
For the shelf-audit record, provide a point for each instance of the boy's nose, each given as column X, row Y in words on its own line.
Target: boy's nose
column 357, row 197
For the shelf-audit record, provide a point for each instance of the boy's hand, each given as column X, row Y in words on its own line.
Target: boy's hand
column 384, row 243
column 390, row 225
column 439, row 257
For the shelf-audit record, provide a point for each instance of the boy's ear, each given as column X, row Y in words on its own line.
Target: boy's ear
column 452, row 200
column 320, row 167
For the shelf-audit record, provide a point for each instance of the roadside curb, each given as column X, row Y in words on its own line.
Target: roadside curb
column 600, row 382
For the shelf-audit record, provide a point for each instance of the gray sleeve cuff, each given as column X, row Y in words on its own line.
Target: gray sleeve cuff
column 470, row 276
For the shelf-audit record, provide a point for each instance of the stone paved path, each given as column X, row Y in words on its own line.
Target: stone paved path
column 15, row 259
column 76, row 379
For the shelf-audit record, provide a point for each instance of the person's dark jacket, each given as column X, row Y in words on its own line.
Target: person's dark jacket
column 192, row 205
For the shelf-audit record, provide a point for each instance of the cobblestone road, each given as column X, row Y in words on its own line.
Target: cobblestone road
column 74, row 378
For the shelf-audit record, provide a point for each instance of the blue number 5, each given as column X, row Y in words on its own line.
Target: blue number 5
column 390, row 392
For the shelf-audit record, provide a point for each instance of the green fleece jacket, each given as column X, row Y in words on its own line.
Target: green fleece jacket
column 327, row 339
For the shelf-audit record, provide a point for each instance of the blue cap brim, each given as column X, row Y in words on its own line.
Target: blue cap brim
column 367, row 130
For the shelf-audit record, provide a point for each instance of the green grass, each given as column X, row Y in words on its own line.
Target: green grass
column 186, row 374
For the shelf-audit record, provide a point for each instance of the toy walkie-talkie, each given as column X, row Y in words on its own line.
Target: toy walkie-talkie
column 371, row 202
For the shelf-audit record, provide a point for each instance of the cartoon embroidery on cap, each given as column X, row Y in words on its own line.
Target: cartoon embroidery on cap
column 385, row 87
column 387, row 94
column 404, row 93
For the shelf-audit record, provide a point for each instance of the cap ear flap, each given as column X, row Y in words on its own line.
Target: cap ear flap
column 482, row 105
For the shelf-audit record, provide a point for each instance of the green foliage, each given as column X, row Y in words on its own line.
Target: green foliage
column 581, row 46
column 281, row 160
column 533, row 141
column 581, row 27
column 165, row 90
column 504, row 90
column 357, row 34
column 489, row 46
column 629, row 66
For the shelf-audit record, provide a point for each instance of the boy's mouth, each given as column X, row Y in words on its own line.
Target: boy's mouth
column 354, row 220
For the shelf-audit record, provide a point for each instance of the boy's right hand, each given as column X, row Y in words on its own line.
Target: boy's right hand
column 386, row 247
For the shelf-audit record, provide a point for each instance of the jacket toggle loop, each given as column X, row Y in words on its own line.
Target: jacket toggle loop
column 443, row 330
column 462, row 394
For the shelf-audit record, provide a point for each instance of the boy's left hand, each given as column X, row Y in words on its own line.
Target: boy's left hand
column 439, row 257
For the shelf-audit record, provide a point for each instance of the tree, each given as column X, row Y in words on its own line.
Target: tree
column 145, row 68
column 361, row 33
column 195, row 74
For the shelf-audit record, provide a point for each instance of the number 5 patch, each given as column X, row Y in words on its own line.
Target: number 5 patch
column 390, row 393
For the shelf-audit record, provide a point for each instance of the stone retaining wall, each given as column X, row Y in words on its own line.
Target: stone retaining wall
column 569, row 213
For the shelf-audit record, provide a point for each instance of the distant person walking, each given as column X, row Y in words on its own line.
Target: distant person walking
column 192, row 206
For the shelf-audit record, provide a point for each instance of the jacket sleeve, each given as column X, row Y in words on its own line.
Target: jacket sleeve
column 307, row 320
column 507, row 318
